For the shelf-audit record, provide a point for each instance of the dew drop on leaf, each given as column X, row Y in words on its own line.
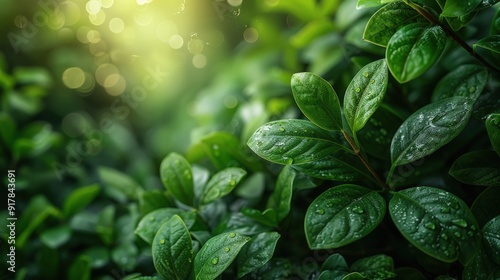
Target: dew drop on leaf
column 329, row 204
column 227, row 249
column 430, row 225
column 215, row 260
column 320, row 211
column 457, row 234
column 232, row 182
column 366, row 74
column 162, row 241
column 444, row 236
column 232, row 235
column 282, row 129
column 470, row 233
column 288, row 160
column 372, row 81
column 460, row 222
column 358, row 89
column 152, row 218
column 473, row 227
column 445, row 210
column 472, row 89
column 358, row 210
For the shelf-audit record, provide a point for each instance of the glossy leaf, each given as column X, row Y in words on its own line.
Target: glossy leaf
column 292, row 142
column 177, row 177
column 414, row 49
column 481, row 168
column 429, row 128
column 317, row 100
column 217, row 254
column 371, row 3
column 493, row 128
column 481, row 267
column 221, row 184
column 365, row 93
column 491, row 239
column 354, row 276
column 266, row 217
column 389, row 19
column 375, row 267
column 172, row 250
column 281, row 198
column 334, row 268
column 456, row 8
column 485, row 207
column 257, row 252
column 436, row 222
column 151, row 222
column 457, row 23
column 342, row 215
column 466, row 81
column 79, row 199
column 491, row 43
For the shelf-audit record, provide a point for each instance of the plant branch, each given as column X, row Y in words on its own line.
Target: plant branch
column 365, row 162
column 432, row 19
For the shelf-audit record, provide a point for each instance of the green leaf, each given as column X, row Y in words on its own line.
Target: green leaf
column 481, row 267
column 125, row 255
column 334, row 268
column 375, row 267
column 456, row 8
column 177, row 177
column 151, row 222
column 118, row 182
column 409, row 273
column 80, row 269
column 430, row 128
column 240, row 223
column 99, row 256
column 55, row 237
column 493, row 128
column 172, row 250
column 365, row 93
column 414, row 49
column 436, row 222
column 485, row 207
column 267, row 217
column 79, row 199
column 217, row 254
column 491, row 43
column 317, row 100
column 274, row 269
column 281, row 198
column 221, row 184
column 7, row 129
column 292, row 142
column 456, row 23
column 38, row 210
column 154, row 199
column 354, row 276
column 105, row 225
column 466, row 81
column 371, row 3
column 495, row 23
column 342, row 215
column 389, row 19
column 481, row 168
column 338, row 167
column 257, row 252
column 491, row 239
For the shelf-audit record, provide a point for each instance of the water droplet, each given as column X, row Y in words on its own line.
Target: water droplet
column 454, row 205
column 236, row 12
column 320, row 211
column 215, row 260
column 430, row 225
column 162, row 241
column 472, row 89
column 152, row 218
column 227, row 249
column 460, row 222
column 194, row 35
column 232, row 235
column 366, row 74
column 358, row 89
column 372, row 81
column 444, row 236
column 288, row 160
column 190, row 260
column 232, row 182
column 446, row 253
column 358, row 210
column 282, row 129
column 473, row 227
column 457, row 234
column 329, row 204
column 470, row 233
column 445, row 210
column 187, row 174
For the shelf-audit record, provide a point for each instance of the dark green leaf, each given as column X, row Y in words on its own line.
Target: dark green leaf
column 274, row 269
column 172, row 250
column 466, row 81
column 239, row 223
column 217, row 254
column 105, row 225
column 485, row 207
column 154, row 199
column 375, row 267
column 80, row 198
column 414, row 49
column 116, row 181
column 430, row 128
column 481, row 267
column 405, row 273
column 125, row 255
column 456, row 8
column 292, row 142
column 151, row 222
column 7, row 129
column 221, row 184
column 480, row 168
column 80, row 269
column 38, row 210
column 257, row 252
column 335, row 262
column 493, row 128
column 436, row 222
column 55, row 237
column 371, row 3
column 268, row 217
column 342, row 215
column 338, row 167
column 354, row 276
column 387, row 20
column 281, row 198
column 491, row 43
column 495, row 23
column 491, row 239
column 456, row 23
column 177, row 177
column 365, row 93
column 99, row 256
column 317, row 100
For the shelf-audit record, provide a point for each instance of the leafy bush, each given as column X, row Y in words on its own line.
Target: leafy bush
column 347, row 144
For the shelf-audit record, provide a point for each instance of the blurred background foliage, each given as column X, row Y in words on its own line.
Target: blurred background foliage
column 95, row 93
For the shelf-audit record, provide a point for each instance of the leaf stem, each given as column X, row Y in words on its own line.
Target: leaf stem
column 432, row 19
column 365, row 162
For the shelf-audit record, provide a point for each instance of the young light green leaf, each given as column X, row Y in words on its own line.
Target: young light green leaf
column 80, row 198
column 292, row 142
column 491, row 43
column 456, row 8
column 365, row 93
column 375, row 267
column 172, row 250
column 387, row 20
column 481, row 168
column 151, row 222
column 281, row 198
column 371, row 3
column 118, row 182
column 429, row 128
column 413, row 49
column 177, row 177
column 436, row 222
column 342, row 215
column 493, row 128
column 466, row 81
column 217, row 254
column 491, row 239
column 257, row 252
column 317, row 100
column 485, row 207
column 221, row 184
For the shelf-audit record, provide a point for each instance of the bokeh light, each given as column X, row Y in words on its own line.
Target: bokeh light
column 73, row 77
